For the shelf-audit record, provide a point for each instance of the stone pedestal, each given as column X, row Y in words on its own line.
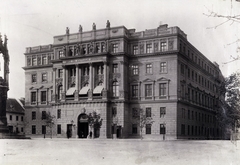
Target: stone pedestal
column 3, row 105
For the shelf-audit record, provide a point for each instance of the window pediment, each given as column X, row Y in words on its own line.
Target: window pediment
column 148, row 80
column 163, row 79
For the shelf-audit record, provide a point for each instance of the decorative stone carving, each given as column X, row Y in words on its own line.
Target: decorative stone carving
column 67, row 30
column 39, row 60
column 58, row 81
column 170, row 45
column 155, row 46
column 94, row 26
column 141, row 48
column 108, row 24
column 90, row 48
column 28, row 61
column 49, row 58
column 80, row 29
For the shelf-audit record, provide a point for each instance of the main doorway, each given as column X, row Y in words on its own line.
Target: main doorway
column 82, row 126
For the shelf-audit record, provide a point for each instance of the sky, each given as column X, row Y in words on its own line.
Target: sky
column 29, row 23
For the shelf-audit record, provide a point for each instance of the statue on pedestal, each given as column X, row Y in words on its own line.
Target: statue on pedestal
column 4, row 87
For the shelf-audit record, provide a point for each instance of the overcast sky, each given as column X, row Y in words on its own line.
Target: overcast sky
column 30, row 23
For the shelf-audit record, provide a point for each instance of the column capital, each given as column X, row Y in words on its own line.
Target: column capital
column 54, row 69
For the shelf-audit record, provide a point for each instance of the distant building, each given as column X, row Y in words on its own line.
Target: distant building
column 115, row 71
column 15, row 116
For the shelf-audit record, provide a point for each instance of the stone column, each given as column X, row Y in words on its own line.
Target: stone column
column 64, row 83
column 76, row 97
column 139, row 89
column 80, row 78
column 122, row 85
column 90, row 81
column 105, row 76
column 54, row 85
column 104, row 92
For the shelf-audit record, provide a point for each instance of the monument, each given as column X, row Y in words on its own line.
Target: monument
column 4, row 87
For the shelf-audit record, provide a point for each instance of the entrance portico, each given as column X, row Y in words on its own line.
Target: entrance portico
column 83, row 126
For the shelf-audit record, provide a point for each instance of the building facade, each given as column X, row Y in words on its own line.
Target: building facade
column 116, row 71
column 15, row 116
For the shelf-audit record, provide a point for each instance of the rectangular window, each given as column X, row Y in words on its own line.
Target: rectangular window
column 114, row 111
column 162, row 129
column 33, row 97
column 182, row 68
column 163, row 46
column 10, row 117
column 115, row 48
column 34, row 61
column 115, row 68
column 33, row 129
column 135, row 49
column 134, row 129
column 44, row 60
column 43, row 97
column 192, row 115
column 183, row 113
column 44, row 77
column 183, row 129
column 34, row 78
column 135, row 112
column 60, row 53
column 33, row 115
column 162, row 111
column 135, row 69
column 44, row 115
column 21, row 118
column 59, row 113
column 189, row 114
column 134, row 91
column 189, row 73
column 149, row 48
column 163, row 67
column 148, row 90
column 59, row 129
column 148, row 112
column 21, row 129
column 115, row 88
column 16, row 118
column 148, row 128
column 43, row 129
column 60, row 73
column 149, row 68
column 163, row 89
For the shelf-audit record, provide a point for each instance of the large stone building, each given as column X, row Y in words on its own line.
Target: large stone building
column 116, row 71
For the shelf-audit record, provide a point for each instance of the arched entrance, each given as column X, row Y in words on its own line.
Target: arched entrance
column 82, row 126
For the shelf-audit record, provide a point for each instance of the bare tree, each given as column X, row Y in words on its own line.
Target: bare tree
column 50, row 121
column 233, row 100
column 231, row 18
column 95, row 121
column 142, row 119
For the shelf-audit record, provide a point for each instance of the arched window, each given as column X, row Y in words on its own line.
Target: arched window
column 115, row 86
column 60, row 92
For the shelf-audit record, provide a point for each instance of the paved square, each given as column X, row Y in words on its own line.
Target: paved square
column 120, row 151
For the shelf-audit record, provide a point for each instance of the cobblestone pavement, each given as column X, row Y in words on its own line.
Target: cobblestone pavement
column 118, row 151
